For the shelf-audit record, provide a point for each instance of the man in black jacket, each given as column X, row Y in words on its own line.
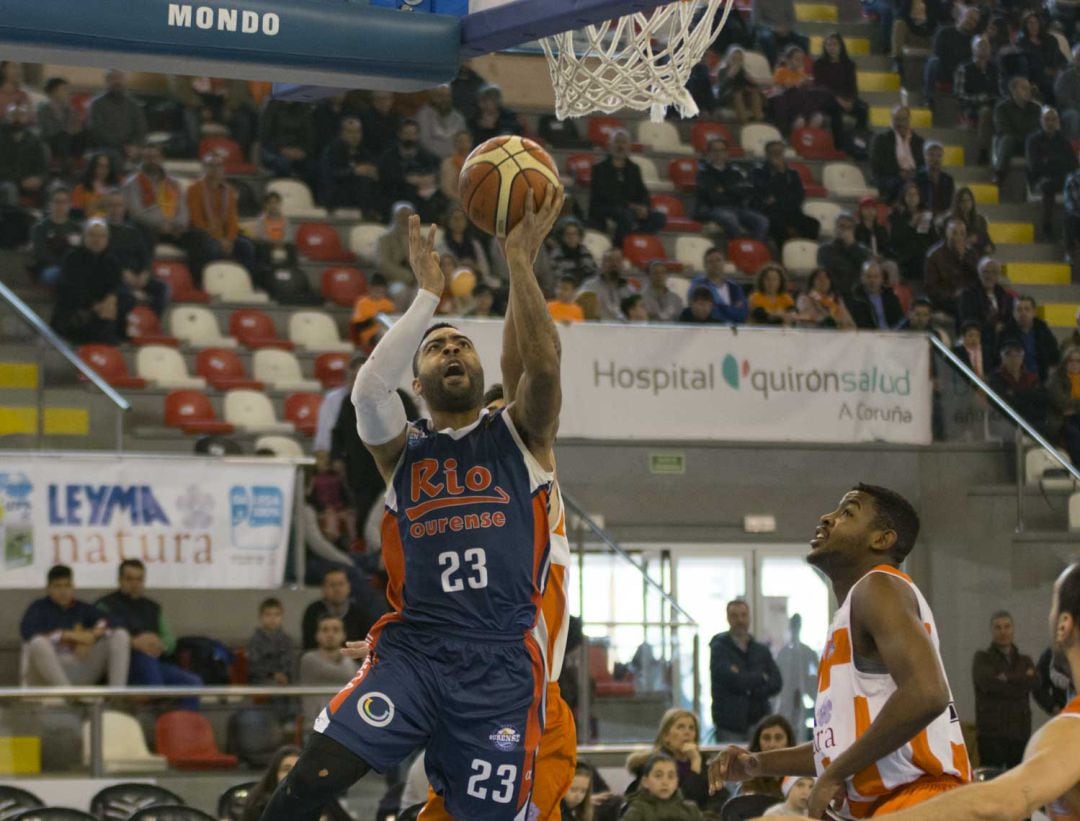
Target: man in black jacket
column 1040, row 347
column 24, row 162
column 408, row 172
column 874, row 306
column 987, row 303
column 1015, row 118
column 349, row 177
column 843, row 257
column 1050, row 159
column 895, row 155
column 778, row 194
column 1003, row 678
column 951, row 46
column 722, row 195
column 87, row 293
column 618, row 194
column 744, row 677
column 337, row 600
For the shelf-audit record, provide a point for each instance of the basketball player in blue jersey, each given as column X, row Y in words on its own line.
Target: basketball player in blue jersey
column 455, row 668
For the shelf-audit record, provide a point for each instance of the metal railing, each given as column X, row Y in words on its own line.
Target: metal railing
column 45, row 334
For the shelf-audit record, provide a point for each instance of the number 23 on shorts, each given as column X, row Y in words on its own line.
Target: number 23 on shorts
column 506, row 778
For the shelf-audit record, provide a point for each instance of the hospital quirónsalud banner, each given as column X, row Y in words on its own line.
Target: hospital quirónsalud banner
column 195, row 522
column 690, row 383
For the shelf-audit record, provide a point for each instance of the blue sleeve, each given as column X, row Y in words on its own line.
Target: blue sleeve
column 737, row 312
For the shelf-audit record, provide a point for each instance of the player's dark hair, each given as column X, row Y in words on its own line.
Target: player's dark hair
column 438, row 326
column 1069, row 592
column 494, row 394
column 652, row 761
column 136, row 563
column 894, row 513
column 270, row 604
column 54, row 83
column 58, row 572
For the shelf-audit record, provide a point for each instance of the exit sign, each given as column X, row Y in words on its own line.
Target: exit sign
column 670, row 462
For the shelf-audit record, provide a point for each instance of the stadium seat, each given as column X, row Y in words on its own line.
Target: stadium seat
column 166, row 250
column 224, row 370
column 843, row 179
column 800, row 256
column 176, row 274
column 302, row 409
column 1037, row 461
column 825, row 212
column 757, row 69
column 811, row 187
column 755, row 136
column 164, row 367
column 296, row 199
column 316, row 331
column 641, row 249
column 197, row 326
column 253, row 412
column 280, row 445
column 815, row 144
column 1005, row 233
column 672, row 208
column 682, row 171
column 343, row 285
column 290, row 286
column 364, row 240
column 14, row 800
column 168, row 812
column 281, row 371
column 123, row 748
column 144, row 328
column 192, row 412
column 319, row 241
column 230, row 282
column 233, row 801
column 331, row 368
column 701, row 133
column 230, row 152
column 253, row 733
column 650, row 176
column 690, row 251
column 108, row 362
column 601, row 128
column 53, row 814
column 748, row 255
column 661, row 137
column 580, row 168
column 119, row 801
column 255, row 329
column 597, row 242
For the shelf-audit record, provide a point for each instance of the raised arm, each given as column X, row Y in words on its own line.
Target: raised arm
column 512, row 368
column 538, row 396
column 380, row 415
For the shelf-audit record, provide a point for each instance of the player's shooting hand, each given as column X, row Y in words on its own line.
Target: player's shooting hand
column 423, row 258
column 356, row 650
column 528, row 236
column 826, row 791
column 732, row 764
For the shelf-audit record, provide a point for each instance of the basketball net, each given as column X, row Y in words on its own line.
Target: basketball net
column 640, row 61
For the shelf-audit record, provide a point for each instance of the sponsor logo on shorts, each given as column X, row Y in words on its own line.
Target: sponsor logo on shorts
column 505, row 738
column 376, row 709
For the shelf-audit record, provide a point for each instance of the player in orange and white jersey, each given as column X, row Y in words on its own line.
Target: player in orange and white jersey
column 886, row 733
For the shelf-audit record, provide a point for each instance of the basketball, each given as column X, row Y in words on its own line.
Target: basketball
column 497, row 177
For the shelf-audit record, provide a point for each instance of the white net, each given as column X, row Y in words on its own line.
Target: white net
column 639, row 61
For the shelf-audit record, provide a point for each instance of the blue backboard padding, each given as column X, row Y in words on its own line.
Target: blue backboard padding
column 299, row 40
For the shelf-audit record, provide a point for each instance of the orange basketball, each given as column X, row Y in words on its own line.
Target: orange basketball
column 496, row 178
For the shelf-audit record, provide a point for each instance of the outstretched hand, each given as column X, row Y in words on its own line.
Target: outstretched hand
column 529, row 234
column 356, row 650
column 424, row 259
column 733, row 764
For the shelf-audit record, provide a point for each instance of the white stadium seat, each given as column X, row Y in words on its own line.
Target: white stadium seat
column 842, row 179
column 230, row 282
column 651, row 177
column 597, row 242
column 316, row 331
column 164, row 367
column 296, row 199
column 824, row 211
column 757, row 68
column 1037, row 461
column 281, row 371
column 800, row 256
column 198, row 327
column 280, row 445
column 253, row 412
column 690, row 251
column 662, row 137
column 755, row 136
column 364, row 240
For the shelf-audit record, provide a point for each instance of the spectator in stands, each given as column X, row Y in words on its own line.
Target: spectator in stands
column 895, row 155
column 609, row 286
column 729, row 301
column 460, row 239
column 774, row 27
column 976, row 86
column 658, row 797
column 842, row 256
column 24, row 163
column 491, row 118
column 894, row 280
column 936, row 187
column 483, row 302
column 951, row 44
column 796, row 102
column 773, row 732
column 722, row 195
column 408, row 172
column 987, row 304
column 1067, row 95
column 700, row 307
column 327, row 494
column 349, row 176
column 1040, row 347
column 381, row 122
column 1014, row 119
column 577, row 804
column 970, row 349
column 919, row 319
column 272, row 232
column 100, row 175
column 280, row 765
column 911, row 231
column 129, row 608
column 1018, row 386
column 950, row 268
column 1044, row 57
column 743, row 674
column 59, row 124
column 450, row 170
column 11, row 85
column 796, row 791
column 633, row 309
column 913, row 27
column 337, row 601
column 1053, row 686
column 392, row 251
column 820, row 306
column 87, row 293
column 771, row 303
column 126, row 243
column 978, row 230
column 215, row 101
column 325, row 664
column 286, row 139
column 568, row 253
column 563, row 308
column 735, row 89
column 869, row 231
column 835, row 70
column 212, row 205
column 798, row 664
column 679, row 738
column 117, row 122
column 70, row 642
column 1064, row 417
column 778, row 194
column 618, row 195
column 873, row 305
column 1004, row 679
column 661, row 303
column 1050, row 159
column 53, row 236
column 439, row 121
column 1072, row 214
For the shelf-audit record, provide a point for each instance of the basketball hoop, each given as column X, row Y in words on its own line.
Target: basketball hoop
column 639, row 61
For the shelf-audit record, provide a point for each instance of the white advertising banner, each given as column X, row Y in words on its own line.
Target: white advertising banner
column 195, row 522
column 734, row 384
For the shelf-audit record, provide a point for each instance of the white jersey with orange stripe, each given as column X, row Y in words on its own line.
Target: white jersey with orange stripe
column 1067, row 808
column 554, row 621
column 849, row 701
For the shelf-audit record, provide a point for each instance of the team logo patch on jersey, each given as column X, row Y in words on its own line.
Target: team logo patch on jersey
column 824, row 713
column 375, row 709
column 505, row 738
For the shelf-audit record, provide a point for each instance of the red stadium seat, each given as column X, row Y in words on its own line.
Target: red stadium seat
column 319, row 241
column 343, row 285
column 229, row 151
column 186, row 739
column 178, row 277
column 682, row 171
column 144, row 328
column 580, row 168
column 701, row 133
column 748, row 255
column 811, row 186
column 601, row 128
column 255, row 329
column 223, row 369
column 302, row 409
column 108, row 362
column 192, row 412
column 331, row 368
column 815, row 144
column 641, row 249
column 672, row 208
